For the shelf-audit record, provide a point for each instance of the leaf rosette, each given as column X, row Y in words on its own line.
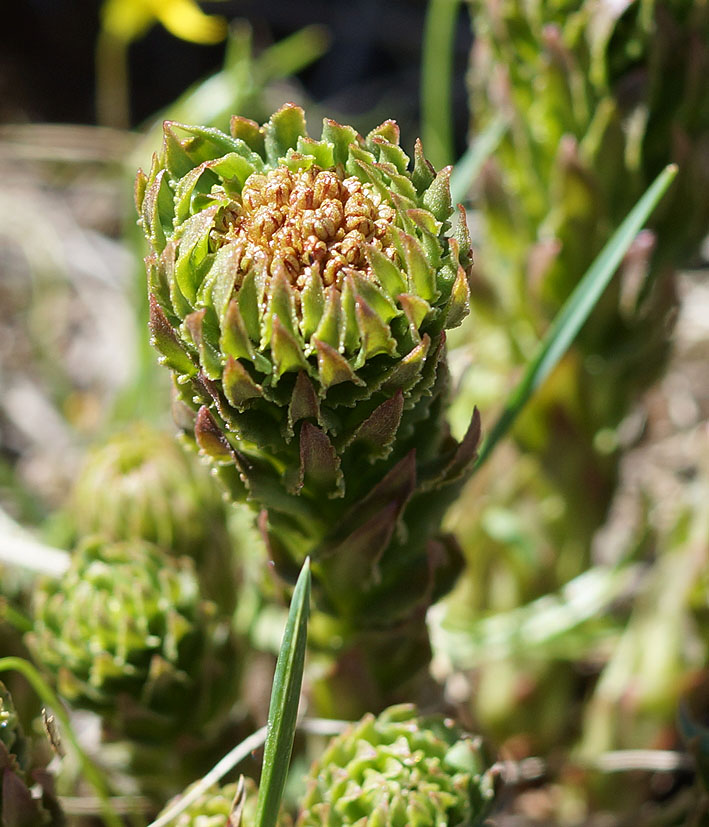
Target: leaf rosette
column 128, row 635
column 399, row 769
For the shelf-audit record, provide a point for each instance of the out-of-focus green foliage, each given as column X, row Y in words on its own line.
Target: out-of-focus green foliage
column 127, row 634
column 141, row 484
column 597, row 98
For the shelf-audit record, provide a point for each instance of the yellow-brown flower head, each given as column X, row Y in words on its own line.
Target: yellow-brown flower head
column 306, row 222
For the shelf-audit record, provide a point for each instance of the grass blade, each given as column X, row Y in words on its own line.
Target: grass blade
column 437, row 81
column 470, row 163
column 574, row 313
column 282, row 713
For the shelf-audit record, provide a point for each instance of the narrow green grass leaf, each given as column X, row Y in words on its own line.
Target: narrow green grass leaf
column 437, row 81
column 468, row 166
column 577, row 309
column 282, row 713
column 91, row 772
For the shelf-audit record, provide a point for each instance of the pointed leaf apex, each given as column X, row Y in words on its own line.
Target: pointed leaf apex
column 333, row 368
column 282, row 131
column 210, row 438
column 437, row 198
column 166, row 342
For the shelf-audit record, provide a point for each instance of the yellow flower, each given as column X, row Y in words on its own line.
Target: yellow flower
column 128, row 20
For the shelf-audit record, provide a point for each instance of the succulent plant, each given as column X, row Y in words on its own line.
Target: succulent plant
column 142, row 485
column 399, row 770
column 127, row 635
column 598, row 98
column 300, row 290
column 19, row 807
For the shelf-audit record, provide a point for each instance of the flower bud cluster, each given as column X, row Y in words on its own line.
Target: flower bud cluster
column 307, row 222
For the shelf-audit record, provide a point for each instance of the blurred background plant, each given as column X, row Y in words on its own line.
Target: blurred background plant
column 581, row 617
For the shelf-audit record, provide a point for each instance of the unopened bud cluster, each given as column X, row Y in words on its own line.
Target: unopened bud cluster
column 306, row 223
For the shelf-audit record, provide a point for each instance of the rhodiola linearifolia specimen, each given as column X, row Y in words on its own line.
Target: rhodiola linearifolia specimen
column 300, row 291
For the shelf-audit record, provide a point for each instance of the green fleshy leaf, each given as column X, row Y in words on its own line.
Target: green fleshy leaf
column 403, row 206
column 204, row 331
column 387, row 273
column 249, row 298
column 283, row 130
column 388, row 130
column 249, row 132
column 322, row 151
column 235, row 341
column 139, row 187
column 177, row 160
column 423, row 174
column 319, row 462
column 202, row 143
column 349, row 330
column 329, row 329
column 158, row 210
column 283, row 709
column 422, row 277
column 380, row 303
column 425, row 221
column 374, row 331
column 333, row 368
column 459, row 303
column 286, row 351
column 210, row 438
column 408, row 371
column 164, row 340
column 296, row 161
column 378, row 432
column 462, row 236
column 196, row 180
column 233, row 166
column 398, row 183
column 437, row 197
column 157, row 270
column 238, row 385
column 218, row 286
column 192, row 250
column 390, row 153
column 281, row 304
column 416, row 310
column 312, row 300
column 340, row 137
column 303, row 404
